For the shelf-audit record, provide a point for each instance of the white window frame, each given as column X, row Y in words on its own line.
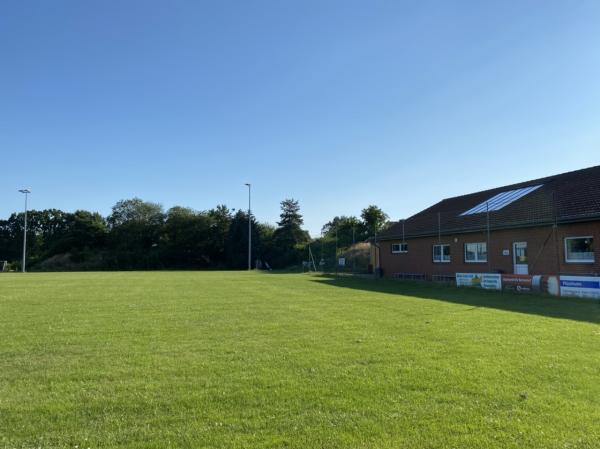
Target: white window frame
column 585, row 261
column 476, row 253
column 441, row 253
column 400, row 245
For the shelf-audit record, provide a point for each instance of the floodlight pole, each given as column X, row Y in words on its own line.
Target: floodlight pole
column 249, row 226
column 26, row 192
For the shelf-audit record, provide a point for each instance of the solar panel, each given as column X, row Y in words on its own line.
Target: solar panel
column 501, row 200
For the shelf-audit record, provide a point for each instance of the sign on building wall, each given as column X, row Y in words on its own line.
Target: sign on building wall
column 518, row 282
column 489, row 281
column 580, row 286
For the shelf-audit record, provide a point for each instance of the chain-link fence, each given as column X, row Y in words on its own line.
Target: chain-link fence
column 325, row 257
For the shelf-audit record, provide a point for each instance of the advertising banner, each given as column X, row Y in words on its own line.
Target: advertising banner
column 548, row 284
column 518, row 282
column 489, row 281
column 580, row 286
column 468, row 279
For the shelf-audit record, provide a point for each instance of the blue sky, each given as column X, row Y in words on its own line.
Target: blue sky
column 337, row 104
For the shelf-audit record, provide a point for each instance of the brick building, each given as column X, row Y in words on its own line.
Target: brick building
column 544, row 226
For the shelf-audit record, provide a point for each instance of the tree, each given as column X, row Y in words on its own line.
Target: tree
column 220, row 222
column 10, row 238
column 347, row 229
column 184, row 241
column 290, row 214
column 52, row 232
column 237, row 241
column 85, row 232
column 289, row 235
column 140, row 235
column 136, row 210
column 266, row 234
column 88, row 230
column 135, row 231
column 374, row 219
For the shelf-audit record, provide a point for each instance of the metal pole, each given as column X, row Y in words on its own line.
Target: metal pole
column 555, row 230
column 23, row 267
column 322, row 261
column 403, row 239
column 249, row 227
column 354, row 249
column 376, row 251
column 25, row 236
column 488, row 249
column 336, row 249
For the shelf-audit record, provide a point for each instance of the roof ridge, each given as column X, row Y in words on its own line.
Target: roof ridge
column 522, row 183
column 559, row 196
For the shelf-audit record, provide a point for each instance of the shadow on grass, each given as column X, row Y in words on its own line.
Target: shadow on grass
column 535, row 304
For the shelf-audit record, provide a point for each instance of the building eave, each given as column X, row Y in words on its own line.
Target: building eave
column 478, row 229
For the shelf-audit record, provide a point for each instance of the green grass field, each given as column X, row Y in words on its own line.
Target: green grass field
column 251, row 360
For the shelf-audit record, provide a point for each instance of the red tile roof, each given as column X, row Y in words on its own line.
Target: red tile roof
column 564, row 198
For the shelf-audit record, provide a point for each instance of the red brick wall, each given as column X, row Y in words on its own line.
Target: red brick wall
column 542, row 257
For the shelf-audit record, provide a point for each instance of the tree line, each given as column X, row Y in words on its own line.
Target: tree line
column 141, row 235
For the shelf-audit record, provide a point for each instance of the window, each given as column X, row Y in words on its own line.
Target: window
column 579, row 249
column 441, row 253
column 398, row 248
column 501, row 200
column 475, row 252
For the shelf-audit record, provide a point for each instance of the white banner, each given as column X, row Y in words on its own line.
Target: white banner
column 580, row 286
column 491, row 281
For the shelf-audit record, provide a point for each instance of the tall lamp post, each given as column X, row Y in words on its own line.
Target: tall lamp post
column 249, row 226
column 26, row 192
